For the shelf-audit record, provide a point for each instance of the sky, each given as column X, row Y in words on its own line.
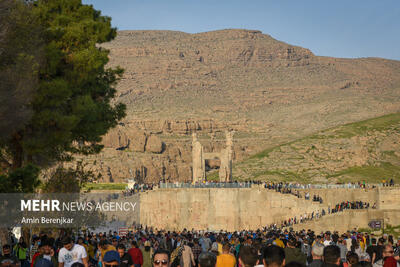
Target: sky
column 337, row 28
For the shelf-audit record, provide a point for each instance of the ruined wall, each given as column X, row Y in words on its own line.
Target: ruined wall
column 252, row 208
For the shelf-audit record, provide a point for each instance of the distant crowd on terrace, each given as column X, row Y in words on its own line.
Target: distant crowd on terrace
column 285, row 188
column 147, row 247
column 345, row 205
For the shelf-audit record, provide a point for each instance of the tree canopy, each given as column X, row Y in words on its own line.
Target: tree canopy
column 70, row 88
column 72, row 104
column 21, row 51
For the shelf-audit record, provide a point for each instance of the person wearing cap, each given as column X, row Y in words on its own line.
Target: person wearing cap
column 105, row 247
column 111, row 259
column 71, row 253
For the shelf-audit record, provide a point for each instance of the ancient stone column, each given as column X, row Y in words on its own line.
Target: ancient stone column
column 225, row 170
column 198, row 162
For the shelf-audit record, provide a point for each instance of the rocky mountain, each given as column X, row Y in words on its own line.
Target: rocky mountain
column 363, row 151
column 267, row 91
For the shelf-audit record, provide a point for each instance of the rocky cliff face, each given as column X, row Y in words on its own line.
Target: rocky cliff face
column 268, row 91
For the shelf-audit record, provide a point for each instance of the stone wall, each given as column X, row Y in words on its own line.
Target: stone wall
column 350, row 219
column 332, row 197
column 252, row 208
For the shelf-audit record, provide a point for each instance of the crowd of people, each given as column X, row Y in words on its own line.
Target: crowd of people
column 137, row 188
column 387, row 182
column 145, row 247
column 354, row 205
column 345, row 205
column 284, row 188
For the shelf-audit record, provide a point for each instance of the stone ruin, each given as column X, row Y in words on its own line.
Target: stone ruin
column 199, row 159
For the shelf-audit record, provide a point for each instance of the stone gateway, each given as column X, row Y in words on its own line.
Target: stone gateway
column 200, row 157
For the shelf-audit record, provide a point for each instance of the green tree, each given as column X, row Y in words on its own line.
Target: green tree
column 72, row 105
column 21, row 180
column 21, row 52
column 68, row 180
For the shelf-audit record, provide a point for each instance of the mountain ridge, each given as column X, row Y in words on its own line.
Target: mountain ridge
column 266, row 90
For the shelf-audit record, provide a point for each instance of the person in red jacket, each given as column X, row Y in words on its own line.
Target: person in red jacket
column 136, row 254
column 39, row 252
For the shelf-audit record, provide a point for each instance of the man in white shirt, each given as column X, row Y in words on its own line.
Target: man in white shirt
column 328, row 240
column 71, row 253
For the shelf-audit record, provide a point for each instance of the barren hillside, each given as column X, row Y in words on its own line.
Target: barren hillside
column 268, row 91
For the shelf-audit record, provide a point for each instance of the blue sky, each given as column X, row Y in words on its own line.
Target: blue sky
column 338, row 28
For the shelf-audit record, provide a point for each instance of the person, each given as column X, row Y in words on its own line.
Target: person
column 34, row 246
column 205, row 243
column 136, row 254
column 226, row 259
column 47, row 253
column 278, row 242
column 21, row 250
column 387, row 251
column 146, row 254
column 317, row 251
column 161, row 258
column 292, row 253
column 43, row 263
column 104, row 248
column 274, row 256
column 328, row 240
column 355, row 247
column 248, row 256
column 82, row 243
column 343, row 248
column 364, row 257
column 38, row 252
column 348, row 242
column 126, row 259
column 111, row 259
column 331, row 256
column 196, row 249
column 207, row 259
column 8, row 260
column 71, row 253
column 352, row 258
column 114, row 242
column 187, row 258
column 390, row 262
